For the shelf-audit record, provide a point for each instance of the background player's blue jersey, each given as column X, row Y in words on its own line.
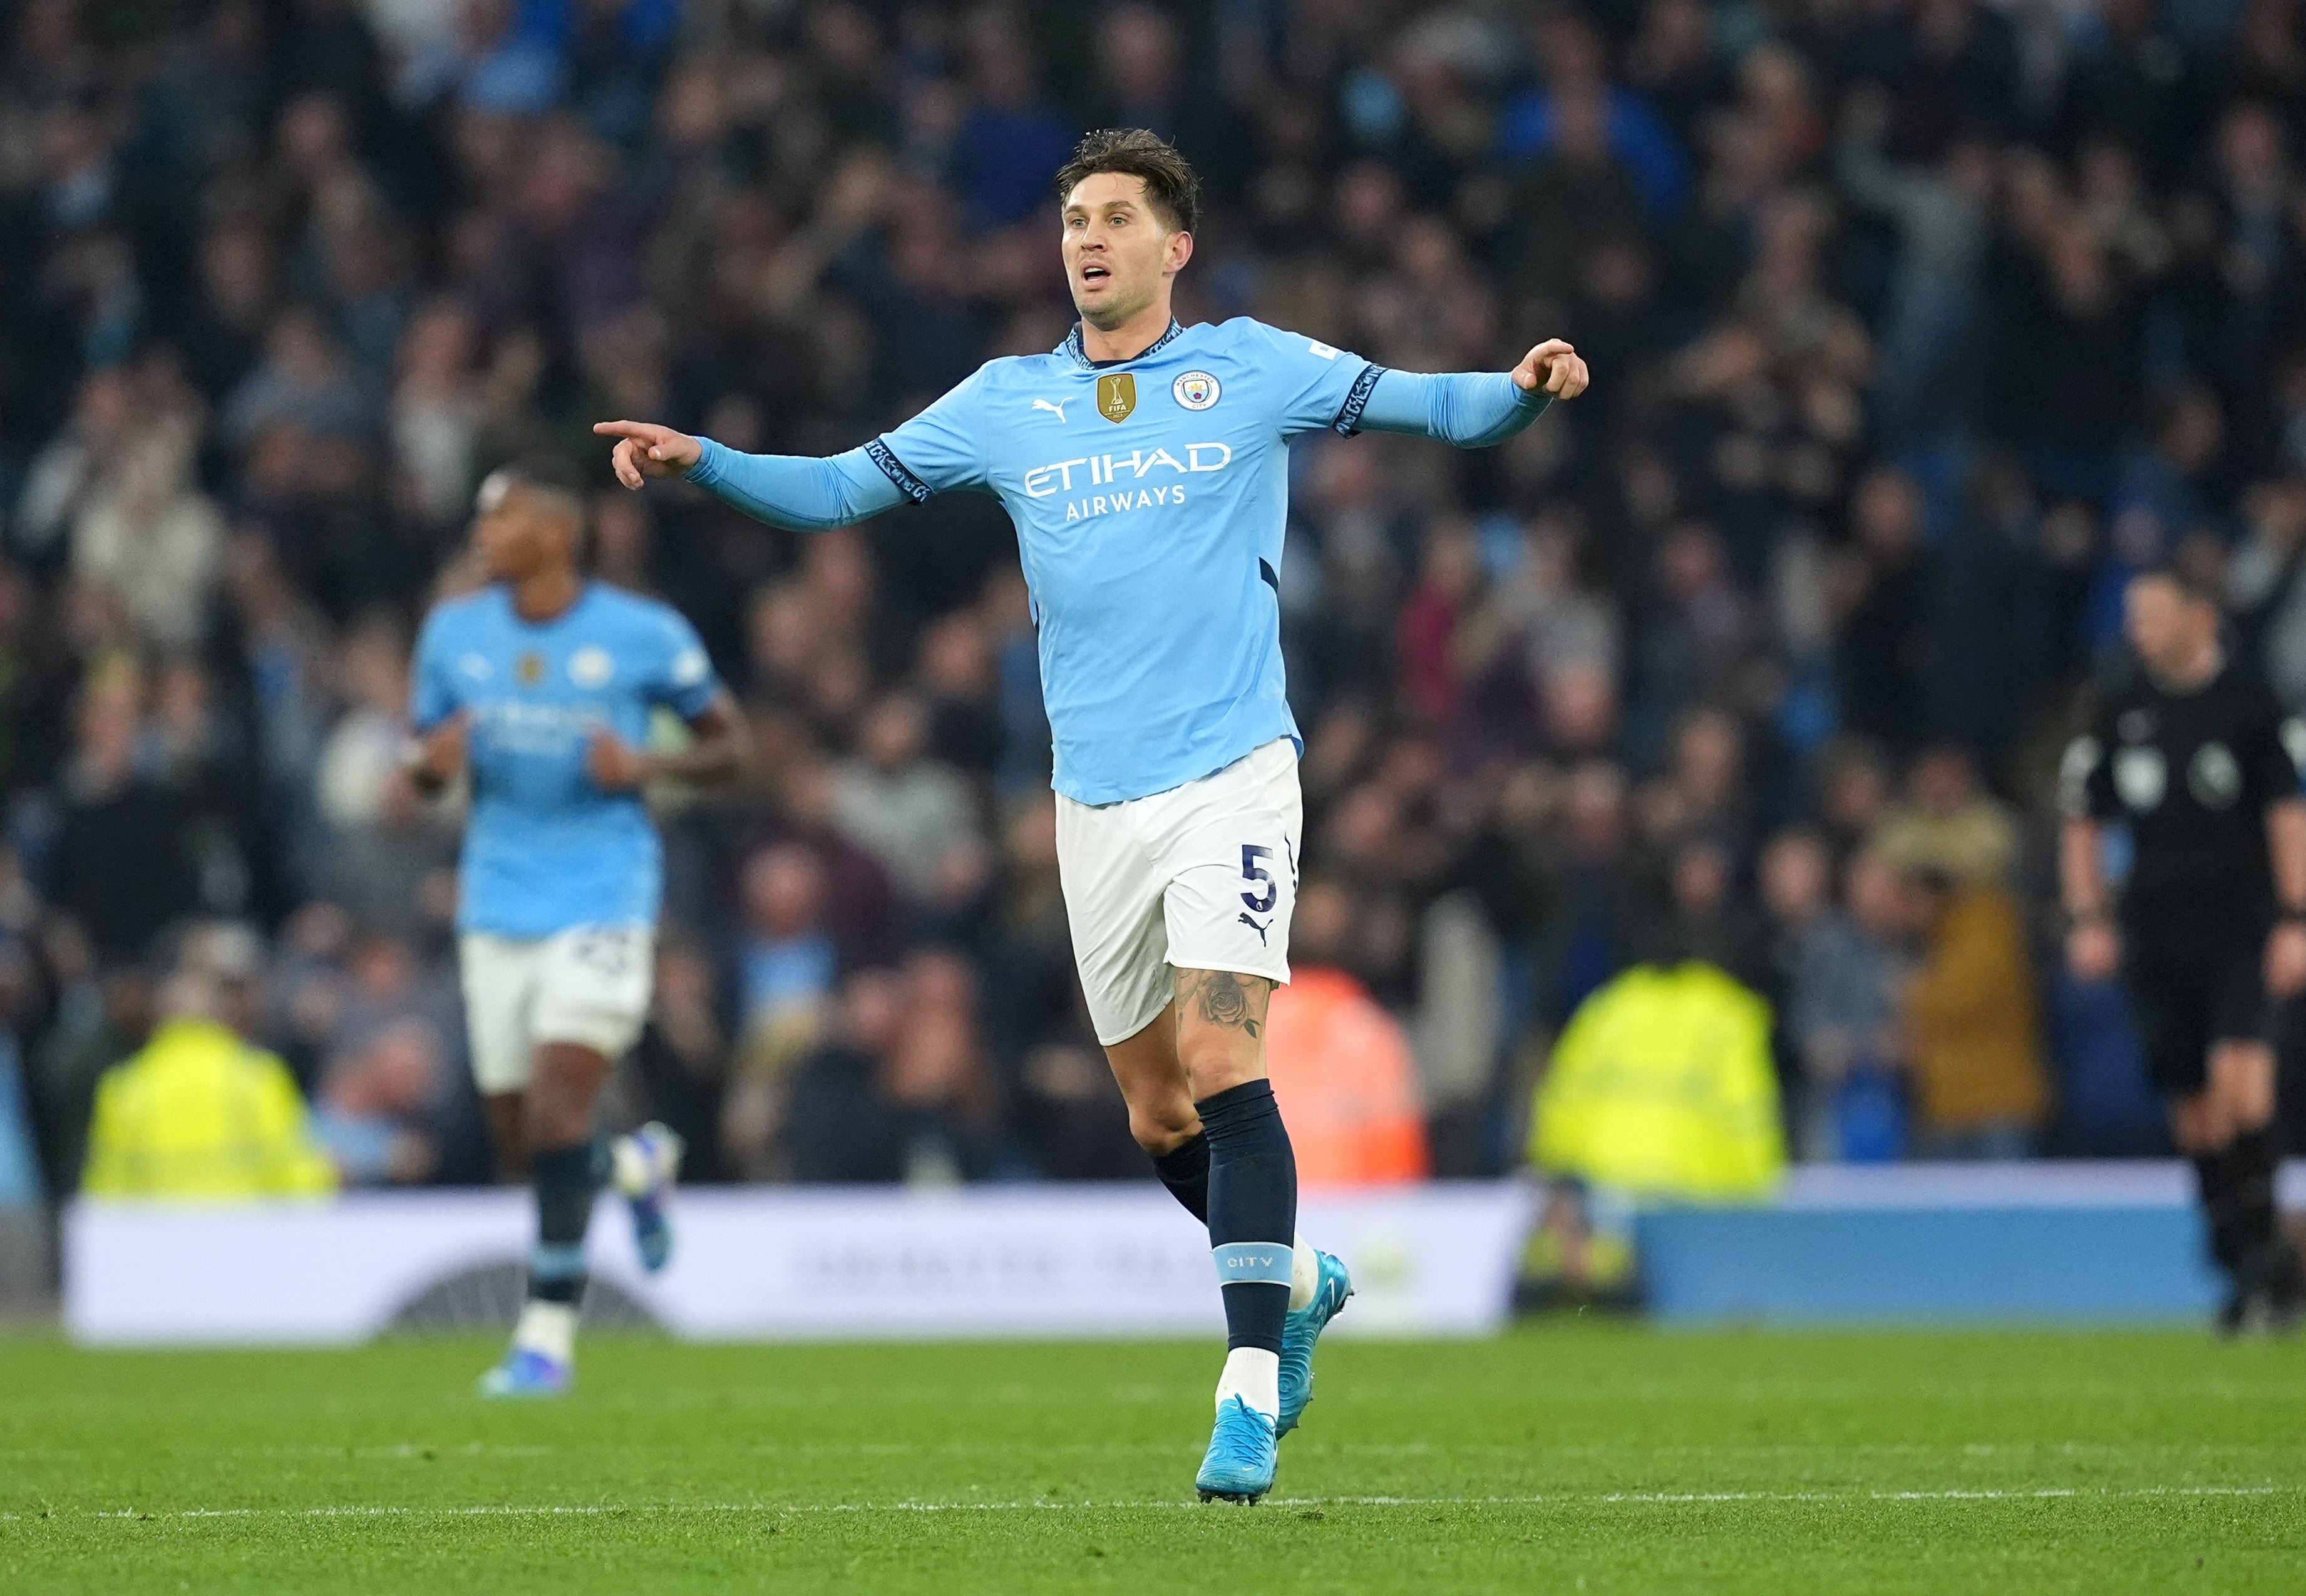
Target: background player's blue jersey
column 1150, row 497
column 546, row 848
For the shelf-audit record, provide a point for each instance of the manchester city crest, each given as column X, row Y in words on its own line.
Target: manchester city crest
column 1195, row 390
column 591, row 667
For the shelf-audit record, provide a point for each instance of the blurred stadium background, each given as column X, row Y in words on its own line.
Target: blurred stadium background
column 1916, row 326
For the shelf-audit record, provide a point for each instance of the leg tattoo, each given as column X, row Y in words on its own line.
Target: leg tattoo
column 1221, row 997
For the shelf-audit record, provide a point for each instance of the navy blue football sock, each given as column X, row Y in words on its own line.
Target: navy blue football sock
column 1184, row 1169
column 1252, row 1200
column 2253, row 1167
column 2215, row 1192
column 566, row 1179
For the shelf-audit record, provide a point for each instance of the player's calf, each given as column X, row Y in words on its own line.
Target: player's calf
column 542, row 1358
column 1252, row 1223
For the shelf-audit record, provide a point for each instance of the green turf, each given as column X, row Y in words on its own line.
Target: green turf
column 1580, row 1459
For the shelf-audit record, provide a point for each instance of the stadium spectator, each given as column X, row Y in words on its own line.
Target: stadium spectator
column 1973, row 1023
column 1843, row 1016
column 912, row 814
column 22, row 1185
column 374, row 1105
column 834, row 1123
column 1340, row 1065
column 787, row 965
column 1946, row 825
column 1662, row 1086
column 935, row 1079
column 200, row 1113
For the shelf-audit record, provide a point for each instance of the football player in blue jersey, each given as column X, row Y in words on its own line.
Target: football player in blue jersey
column 541, row 687
column 1145, row 465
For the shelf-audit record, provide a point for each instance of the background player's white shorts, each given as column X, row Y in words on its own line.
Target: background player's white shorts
column 589, row 985
column 1201, row 877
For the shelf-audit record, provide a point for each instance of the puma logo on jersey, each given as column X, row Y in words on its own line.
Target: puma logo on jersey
column 1260, row 930
column 1056, row 409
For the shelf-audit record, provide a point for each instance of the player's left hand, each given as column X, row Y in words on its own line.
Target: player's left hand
column 614, row 765
column 2285, row 959
column 1553, row 366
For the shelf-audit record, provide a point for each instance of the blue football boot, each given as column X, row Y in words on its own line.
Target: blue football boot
column 1239, row 1467
column 527, row 1372
column 1301, row 1330
column 645, row 1164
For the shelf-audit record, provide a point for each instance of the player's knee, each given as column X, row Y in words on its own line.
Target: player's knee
column 557, row 1124
column 1161, row 1127
column 2241, row 1085
column 2199, row 1126
column 1216, row 1059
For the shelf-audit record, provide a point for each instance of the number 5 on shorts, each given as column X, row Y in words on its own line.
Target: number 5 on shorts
column 1251, row 870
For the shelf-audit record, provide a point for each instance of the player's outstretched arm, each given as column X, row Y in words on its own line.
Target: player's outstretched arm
column 1475, row 409
column 788, row 490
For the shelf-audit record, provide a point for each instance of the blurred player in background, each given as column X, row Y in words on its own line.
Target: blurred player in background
column 2192, row 754
column 1146, row 467
column 541, row 687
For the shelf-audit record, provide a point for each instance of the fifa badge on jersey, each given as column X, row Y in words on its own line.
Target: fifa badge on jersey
column 529, row 669
column 1116, row 396
column 1195, row 390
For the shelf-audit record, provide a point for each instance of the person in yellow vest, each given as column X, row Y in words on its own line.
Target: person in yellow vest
column 199, row 1115
column 1662, row 1086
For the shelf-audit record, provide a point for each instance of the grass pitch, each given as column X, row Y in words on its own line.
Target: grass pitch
column 1594, row 1459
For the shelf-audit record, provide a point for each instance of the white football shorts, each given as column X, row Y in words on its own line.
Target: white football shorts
column 589, row 985
column 1203, row 876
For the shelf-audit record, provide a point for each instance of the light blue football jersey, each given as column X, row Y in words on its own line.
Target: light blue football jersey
column 546, row 849
column 1150, row 497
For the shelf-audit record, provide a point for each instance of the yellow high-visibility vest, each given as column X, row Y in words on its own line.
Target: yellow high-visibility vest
column 199, row 1115
column 1662, row 1086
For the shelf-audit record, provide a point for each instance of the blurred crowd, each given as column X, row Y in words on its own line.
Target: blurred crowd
column 1916, row 326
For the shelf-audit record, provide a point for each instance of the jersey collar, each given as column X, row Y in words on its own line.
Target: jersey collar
column 1072, row 346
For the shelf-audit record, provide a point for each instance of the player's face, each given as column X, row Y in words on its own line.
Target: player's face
column 1119, row 257
column 2166, row 624
column 514, row 530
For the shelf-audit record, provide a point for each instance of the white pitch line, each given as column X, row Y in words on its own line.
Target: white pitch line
column 1607, row 1499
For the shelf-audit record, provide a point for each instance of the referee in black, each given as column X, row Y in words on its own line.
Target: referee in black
column 2192, row 754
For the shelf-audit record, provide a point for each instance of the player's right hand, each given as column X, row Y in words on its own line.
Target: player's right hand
column 439, row 757
column 2093, row 950
column 646, row 449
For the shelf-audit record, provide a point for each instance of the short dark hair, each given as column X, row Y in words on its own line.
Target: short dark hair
column 1171, row 186
column 551, row 474
column 552, row 478
column 547, row 474
column 2193, row 584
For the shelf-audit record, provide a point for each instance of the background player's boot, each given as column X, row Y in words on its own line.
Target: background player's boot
column 1301, row 1330
column 2286, row 1295
column 2269, row 1295
column 1239, row 1466
column 527, row 1372
column 645, row 1166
